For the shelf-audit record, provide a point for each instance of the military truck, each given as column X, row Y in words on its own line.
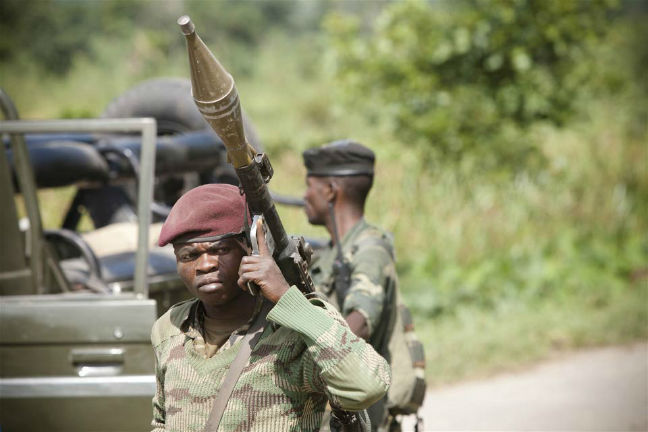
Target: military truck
column 76, row 308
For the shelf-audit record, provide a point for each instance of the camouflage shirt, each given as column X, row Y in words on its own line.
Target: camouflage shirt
column 306, row 356
column 369, row 251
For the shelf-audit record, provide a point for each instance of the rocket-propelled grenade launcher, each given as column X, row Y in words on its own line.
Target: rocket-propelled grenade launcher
column 215, row 95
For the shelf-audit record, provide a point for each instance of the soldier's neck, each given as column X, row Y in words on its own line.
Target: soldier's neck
column 346, row 217
column 241, row 307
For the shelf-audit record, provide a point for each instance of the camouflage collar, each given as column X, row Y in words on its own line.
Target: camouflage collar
column 355, row 229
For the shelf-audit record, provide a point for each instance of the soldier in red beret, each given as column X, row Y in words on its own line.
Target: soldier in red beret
column 292, row 354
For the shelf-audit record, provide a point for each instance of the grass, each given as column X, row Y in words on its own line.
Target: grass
column 475, row 343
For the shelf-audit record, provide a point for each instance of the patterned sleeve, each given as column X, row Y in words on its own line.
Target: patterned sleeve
column 158, row 422
column 346, row 368
column 372, row 265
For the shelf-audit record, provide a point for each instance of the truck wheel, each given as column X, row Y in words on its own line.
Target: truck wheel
column 169, row 101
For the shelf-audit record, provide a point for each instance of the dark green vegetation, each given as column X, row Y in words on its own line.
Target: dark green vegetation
column 472, row 78
column 511, row 137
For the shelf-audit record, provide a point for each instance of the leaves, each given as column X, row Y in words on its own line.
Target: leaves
column 469, row 79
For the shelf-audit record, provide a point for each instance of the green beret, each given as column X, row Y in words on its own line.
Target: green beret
column 339, row 158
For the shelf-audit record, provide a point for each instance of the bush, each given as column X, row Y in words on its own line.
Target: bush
column 468, row 79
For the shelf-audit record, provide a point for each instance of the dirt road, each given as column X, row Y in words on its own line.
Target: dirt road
column 596, row 390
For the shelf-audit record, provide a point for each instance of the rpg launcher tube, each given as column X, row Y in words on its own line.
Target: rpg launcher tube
column 215, row 95
column 217, row 99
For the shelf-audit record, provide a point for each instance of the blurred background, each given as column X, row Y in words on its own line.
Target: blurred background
column 511, row 139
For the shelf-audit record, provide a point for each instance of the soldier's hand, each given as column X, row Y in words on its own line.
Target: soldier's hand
column 263, row 271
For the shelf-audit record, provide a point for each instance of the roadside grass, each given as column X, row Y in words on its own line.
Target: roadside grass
column 473, row 343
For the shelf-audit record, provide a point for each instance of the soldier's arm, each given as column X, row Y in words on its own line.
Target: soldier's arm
column 363, row 305
column 358, row 324
column 337, row 363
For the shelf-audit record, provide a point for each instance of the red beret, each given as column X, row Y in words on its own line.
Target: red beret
column 206, row 213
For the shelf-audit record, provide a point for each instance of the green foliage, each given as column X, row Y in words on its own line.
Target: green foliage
column 474, row 342
column 244, row 22
column 576, row 229
column 467, row 79
column 53, row 32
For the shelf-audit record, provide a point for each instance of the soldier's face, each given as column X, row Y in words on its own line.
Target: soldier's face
column 210, row 270
column 316, row 199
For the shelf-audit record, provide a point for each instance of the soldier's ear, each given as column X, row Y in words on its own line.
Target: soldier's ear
column 331, row 191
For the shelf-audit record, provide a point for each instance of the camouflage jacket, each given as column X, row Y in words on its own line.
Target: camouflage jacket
column 369, row 251
column 306, row 356
column 370, row 254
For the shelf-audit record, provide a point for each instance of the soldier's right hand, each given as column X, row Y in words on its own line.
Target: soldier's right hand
column 263, row 271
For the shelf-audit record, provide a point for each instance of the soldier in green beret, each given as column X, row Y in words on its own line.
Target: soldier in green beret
column 356, row 270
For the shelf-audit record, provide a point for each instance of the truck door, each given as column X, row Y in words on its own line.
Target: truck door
column 76, row 362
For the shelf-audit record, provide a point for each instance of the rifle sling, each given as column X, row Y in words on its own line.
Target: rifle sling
column 247, row 345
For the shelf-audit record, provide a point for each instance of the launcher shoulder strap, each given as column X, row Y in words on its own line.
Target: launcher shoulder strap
column 247, row 345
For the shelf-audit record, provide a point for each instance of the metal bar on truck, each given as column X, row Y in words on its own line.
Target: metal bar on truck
column 148, row 128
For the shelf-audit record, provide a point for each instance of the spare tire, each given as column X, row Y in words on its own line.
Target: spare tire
column 169, row 101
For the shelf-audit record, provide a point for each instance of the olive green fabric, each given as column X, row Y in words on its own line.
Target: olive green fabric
column 373, row 277
column 375, row 294
column 307, row 356
column 368, row 250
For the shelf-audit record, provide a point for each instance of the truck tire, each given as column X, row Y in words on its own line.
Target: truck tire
column 169, row 101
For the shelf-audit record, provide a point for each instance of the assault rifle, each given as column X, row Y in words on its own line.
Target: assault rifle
column 217, row 99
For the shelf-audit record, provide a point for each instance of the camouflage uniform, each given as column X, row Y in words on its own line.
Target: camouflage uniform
column 370, row 253
column 306, row 356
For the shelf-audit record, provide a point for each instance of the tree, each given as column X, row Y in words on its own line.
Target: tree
column 469, row 78
column 52, row 32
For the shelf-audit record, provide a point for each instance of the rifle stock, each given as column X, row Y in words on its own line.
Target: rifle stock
column 215, row 94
